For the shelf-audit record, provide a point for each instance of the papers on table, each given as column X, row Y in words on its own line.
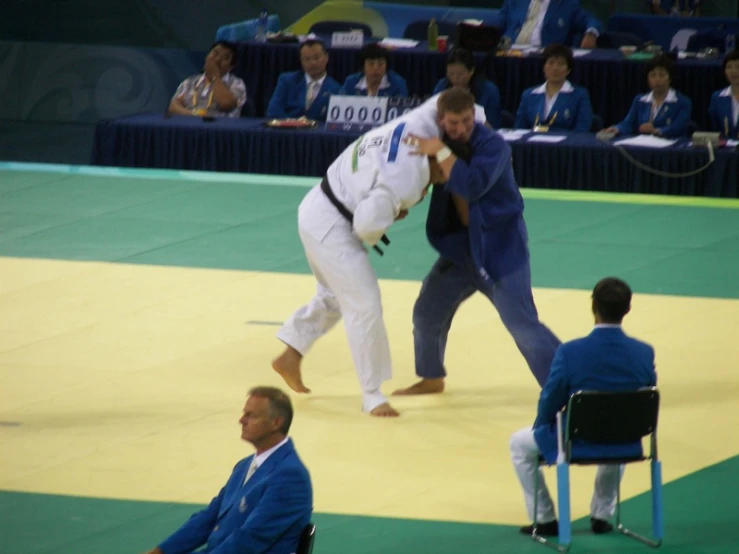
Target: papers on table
column 398, row 43
column 547, row 138
column 580, row 52
column 647, row 141
column 511, row 135
column 732, row 143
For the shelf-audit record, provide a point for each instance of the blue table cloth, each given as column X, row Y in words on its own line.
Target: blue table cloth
column 580, row 162
column 611, row 79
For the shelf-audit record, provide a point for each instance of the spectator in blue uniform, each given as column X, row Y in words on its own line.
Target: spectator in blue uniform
column 557, row 103
column 376, row 77
column 461, row 72
column 663, row 112
column 723, row 111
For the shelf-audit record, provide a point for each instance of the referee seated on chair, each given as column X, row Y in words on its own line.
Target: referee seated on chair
column 304, row 93
column 605, row 360
column 267, row 501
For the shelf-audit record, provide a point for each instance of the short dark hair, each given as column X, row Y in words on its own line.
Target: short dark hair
column 455, row 100
column 373, row 51
column 730, row 57
column 558, row 51
column 611, row 299
column 279, row 404
column 662, row 60
column 461, row 56
column 230, row 46
column 312, row 42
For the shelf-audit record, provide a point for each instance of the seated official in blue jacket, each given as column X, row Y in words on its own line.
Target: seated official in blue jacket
column 606, row 360
column 267, row 501
column 545, row 22
column 663, row 112
column 460, row 72
column 376, row 77
column 556, row 104
column 723, row 111
column 304, row 93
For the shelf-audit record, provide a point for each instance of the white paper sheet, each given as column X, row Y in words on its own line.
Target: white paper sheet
column 546, row 138
column 580, row 52
column 732, row 143
column 647, row 141
column 513, row 134
column 398, row 43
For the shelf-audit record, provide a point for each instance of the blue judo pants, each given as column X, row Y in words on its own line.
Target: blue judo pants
column 448, row 285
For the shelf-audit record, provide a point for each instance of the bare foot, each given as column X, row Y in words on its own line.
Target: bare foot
column 424, row 386
column 288, row 367
column 384, row 410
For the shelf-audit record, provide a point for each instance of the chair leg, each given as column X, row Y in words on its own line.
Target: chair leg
column 657, row 518
column 563, row 501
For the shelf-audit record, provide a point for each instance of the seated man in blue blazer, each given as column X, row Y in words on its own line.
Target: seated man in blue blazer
column 267, row 501
column 304, row 93
column 544, row 22
column 376, row 77
column 723, row 112
column 605, row 360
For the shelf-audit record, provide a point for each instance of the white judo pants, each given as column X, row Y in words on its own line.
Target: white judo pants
column 524, row 453
column 348, row 288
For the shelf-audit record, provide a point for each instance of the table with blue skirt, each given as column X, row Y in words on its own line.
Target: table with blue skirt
column 612, row 80
column 579, row 162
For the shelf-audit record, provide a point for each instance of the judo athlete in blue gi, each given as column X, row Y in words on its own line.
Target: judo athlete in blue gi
column 475, row 222
column 267, row 501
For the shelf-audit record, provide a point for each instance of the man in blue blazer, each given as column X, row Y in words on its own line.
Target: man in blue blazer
column 475, row 222
column 605, row 360
column 267, row 501
column 304, row 93
column 543, row 22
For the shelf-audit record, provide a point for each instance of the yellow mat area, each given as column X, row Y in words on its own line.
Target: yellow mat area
column 127, row 381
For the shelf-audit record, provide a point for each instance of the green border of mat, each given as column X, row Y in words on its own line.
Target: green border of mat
column 291, row 181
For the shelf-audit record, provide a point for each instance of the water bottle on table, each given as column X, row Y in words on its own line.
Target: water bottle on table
column 262, row 23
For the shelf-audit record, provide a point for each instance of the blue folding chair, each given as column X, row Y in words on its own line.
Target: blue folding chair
column 605, row 418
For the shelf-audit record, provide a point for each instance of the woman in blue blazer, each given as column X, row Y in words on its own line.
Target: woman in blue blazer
column 375, row 79
column 557, row 103
column 460, row 72
column 723, row 112
column 663, row 112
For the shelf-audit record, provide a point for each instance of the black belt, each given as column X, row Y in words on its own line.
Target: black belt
column 326, row 188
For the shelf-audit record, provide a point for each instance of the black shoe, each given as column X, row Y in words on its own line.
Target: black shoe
column 550, row 529
column 600, row 526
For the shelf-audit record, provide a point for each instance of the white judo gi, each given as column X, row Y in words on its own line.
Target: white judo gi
column 374, row 178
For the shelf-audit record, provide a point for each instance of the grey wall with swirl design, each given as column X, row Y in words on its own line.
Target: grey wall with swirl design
column 80, row 83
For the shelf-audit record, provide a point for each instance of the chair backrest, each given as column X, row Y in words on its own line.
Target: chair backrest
column 507, row 120
column 305, row 546
column 611, row 39
column 418, row 30
column 478, row 38
column 597, row 124
column 602, row 417
column 330, row 27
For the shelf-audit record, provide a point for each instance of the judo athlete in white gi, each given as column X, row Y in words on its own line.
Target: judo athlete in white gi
column 377, row 180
